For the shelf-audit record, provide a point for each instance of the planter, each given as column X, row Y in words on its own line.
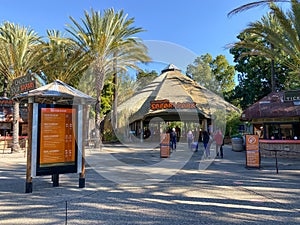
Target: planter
column 237, row 144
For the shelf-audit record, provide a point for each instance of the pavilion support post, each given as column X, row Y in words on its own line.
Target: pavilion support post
column 185, row 130
column 28, row 188
column 142, row 131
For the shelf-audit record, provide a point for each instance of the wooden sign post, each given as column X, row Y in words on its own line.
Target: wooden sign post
column 164, row 145
column 252, row 151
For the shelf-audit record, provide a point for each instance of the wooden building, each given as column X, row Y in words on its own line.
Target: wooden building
column 276, row 119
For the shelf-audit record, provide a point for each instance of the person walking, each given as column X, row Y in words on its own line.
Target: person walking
column 218, row 137
column 190, row 138
column 173, row 138
column 178, row 133
column 205, row 140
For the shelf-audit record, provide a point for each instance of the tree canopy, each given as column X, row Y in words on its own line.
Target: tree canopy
column 214, row 74
column 279, row 33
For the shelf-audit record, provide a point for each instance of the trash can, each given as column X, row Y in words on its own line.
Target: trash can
column 237, row 144
column 165, row 145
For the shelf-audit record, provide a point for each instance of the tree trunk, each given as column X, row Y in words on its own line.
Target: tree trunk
column 273, row 76
column 5, row 87
column 273, row 86
column 16, row 115
column 99, row 71
column 115, row 102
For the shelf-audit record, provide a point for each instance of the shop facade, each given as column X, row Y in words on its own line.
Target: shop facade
column 276, row 120
column 6, row 123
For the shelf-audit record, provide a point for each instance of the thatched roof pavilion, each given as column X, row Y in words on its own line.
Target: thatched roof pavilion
column 173, row 96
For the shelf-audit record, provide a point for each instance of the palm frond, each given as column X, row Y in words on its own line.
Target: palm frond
column 252, row 5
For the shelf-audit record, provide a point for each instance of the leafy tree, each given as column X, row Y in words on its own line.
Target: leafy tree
column 232, row 124
column 20, row 51
column 143, row 78
column 214, row 74
column 201, row 71
column 106, row 97
column 254, row 75
column 126, row 87
column 224, row 74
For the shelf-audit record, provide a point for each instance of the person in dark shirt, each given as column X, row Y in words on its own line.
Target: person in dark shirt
column 173, row 138
column 205, row 140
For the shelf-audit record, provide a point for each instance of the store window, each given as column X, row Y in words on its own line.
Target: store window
column 284, row 131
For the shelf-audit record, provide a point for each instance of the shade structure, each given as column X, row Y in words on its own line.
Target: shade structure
column 56, row 92
column 177, row 98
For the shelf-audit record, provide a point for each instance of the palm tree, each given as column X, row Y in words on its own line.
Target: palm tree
column 279, row 30
column 109, row 43
column 64, row 60
column 20, row 51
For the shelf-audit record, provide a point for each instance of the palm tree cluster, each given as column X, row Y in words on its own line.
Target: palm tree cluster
column 275, row 36
column 100, row 45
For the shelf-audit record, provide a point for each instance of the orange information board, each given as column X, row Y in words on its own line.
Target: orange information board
column 57, row 136
column 252, row 151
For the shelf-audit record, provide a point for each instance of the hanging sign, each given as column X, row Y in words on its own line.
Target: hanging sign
column 22, row 84
column 252, row 151
column 292, row 95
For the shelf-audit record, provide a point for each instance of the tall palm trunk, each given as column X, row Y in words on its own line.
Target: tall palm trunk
column 272, row 72
column 115, row 102
column 16, row 115
column 99, row 71
column 5, row 87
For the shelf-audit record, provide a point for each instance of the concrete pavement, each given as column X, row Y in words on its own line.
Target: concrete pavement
column 133, row 185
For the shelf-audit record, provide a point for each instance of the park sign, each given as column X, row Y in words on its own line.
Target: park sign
column 166, row 104
column 293, row 95
column 252, row 151
column 22, row 84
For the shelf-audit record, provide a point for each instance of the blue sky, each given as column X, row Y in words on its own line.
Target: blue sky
column 197, row 26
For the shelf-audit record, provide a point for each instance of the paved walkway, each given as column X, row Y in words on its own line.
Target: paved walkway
column 134, row 185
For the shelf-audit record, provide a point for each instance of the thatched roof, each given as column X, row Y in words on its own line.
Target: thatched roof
column 272, row 106
column 58, row 92
column 175, row 87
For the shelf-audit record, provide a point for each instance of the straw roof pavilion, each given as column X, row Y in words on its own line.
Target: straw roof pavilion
column 174, row 87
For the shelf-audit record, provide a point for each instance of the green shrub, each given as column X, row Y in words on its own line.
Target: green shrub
column 232, row 125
